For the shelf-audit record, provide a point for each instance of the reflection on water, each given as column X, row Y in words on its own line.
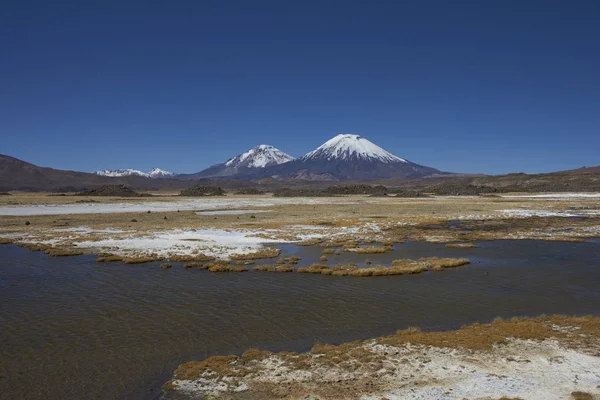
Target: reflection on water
column 73, row 328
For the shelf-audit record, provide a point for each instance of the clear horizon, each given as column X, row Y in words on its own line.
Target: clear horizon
column 464, row 87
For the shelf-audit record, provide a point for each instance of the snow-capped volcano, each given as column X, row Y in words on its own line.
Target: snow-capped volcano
column 153, row 173
column 249, row 162
column 349, row 157
column 351, row 147
column 259, row 157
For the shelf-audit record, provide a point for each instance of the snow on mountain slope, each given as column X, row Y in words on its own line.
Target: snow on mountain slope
column 154, row 173
column 347, row 157
column 260, row 157
column 348, row 147
column 250, row 162
column 160, row 173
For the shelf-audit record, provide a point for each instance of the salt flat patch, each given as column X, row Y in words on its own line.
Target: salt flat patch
column 522, row 369
column 550, row 213
column 550, row 195
column 231, row 212
column 156, row 206
column 212, row 242
column 86, row 230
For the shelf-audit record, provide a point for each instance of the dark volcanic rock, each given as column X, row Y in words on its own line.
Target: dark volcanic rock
column 247, row 191
column 111, row 190
column 203, row 191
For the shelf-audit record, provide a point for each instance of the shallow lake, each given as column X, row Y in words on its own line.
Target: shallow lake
column 72, row 328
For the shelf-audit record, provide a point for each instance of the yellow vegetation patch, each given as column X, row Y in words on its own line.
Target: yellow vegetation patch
column 139, row 260
column 370, row 249
column 439, row 264
column 109, row 258
column 165, row 265
column 192, row 257
column 484, row 336
column 313, row 269
column 310, row 242
column 258, row 255
column 227, row 268
column 461, row 245
column 62, row 252
column 274, row 268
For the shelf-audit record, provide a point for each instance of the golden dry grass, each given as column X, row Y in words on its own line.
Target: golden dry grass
column 62, row 252
column 313, row 269
column 191, row 257
column 139, row 260
column 109, row 258
column 310, row 242
column 439, row 264
column 485, row 336
column 258, row 254
column 165, row 265
column 5, row 241
column 370, row 249
column 192, row 264
column 328, row 251
column 273, row 268
column 227, row 268
column 582, row 396
column 323, row 259
column 461, row 245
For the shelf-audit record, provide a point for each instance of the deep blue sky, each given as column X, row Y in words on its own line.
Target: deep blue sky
column 467, row 86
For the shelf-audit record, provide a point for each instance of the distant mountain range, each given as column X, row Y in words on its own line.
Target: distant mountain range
column 153, row 173
column 343, row 157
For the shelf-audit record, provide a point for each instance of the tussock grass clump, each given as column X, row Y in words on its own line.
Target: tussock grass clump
column 310, row 242
column 348, row 243
column 227, row 268
column 340, row 270
column 218, row 365
column 313, row 269
column 582, row 396
column 258, row 254
column 62, row 252
column 484, row 336
column 139, row 260
column 370, row 249
column 439, row 264
column 294, row 260
column 328, row 251
column 461, row 246
column 34, row 246
column 165, row 265
column 411, row 267
column 323, row 259
column 109, row 258
column 273, row 268
column 192, row 264
column 192, row 257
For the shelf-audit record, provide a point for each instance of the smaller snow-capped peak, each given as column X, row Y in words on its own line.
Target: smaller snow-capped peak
column 159, row 173
column 260, row 156
column 154, row 173
column 120, row 172
column 349, row 146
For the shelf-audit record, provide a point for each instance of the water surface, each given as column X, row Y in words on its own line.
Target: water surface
column 73, row 328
